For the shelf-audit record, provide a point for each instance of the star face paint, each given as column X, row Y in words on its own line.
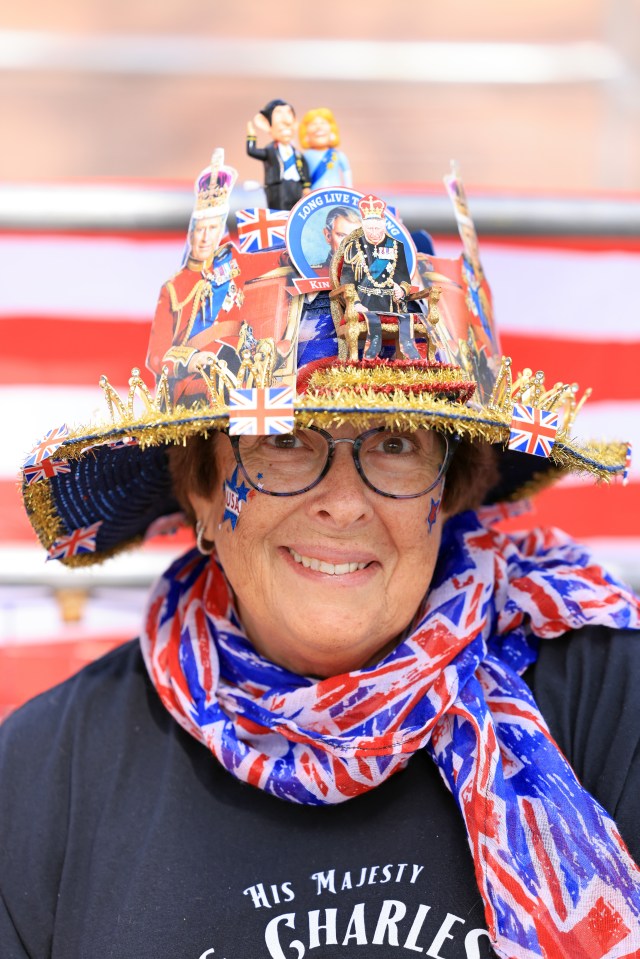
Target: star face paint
column 235, row 494
column 434, row 509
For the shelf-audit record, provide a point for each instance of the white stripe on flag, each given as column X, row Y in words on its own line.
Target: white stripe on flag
column 553, row 292
column 84, row 277
column 29, row 411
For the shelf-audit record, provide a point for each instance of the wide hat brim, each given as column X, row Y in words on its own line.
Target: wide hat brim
column 115, row 487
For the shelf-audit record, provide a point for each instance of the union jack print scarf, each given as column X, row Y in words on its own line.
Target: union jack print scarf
column 555, row 876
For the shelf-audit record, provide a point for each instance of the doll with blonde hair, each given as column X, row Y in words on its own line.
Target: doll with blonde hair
column 319, row 139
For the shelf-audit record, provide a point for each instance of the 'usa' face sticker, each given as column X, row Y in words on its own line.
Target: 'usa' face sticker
column 236, row 492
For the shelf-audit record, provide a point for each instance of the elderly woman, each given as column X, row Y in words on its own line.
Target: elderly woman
column 358, row 714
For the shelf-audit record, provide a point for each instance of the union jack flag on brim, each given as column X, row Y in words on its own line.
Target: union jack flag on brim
column 260, row 229
column 45, row 470
column 261, row 412
column 47, row 446
column 82, row 540
column 532, row 430
column 627, row 464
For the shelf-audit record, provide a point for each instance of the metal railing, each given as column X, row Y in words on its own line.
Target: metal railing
column 117, row 207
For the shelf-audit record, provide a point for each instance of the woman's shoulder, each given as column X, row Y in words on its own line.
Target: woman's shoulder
column 594, row 661
column 586, row 685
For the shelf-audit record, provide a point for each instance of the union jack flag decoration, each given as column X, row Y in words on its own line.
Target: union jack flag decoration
column 532, row 430
column 260, row 229
column 627, row 465
column 82, row 540
column 47, row 446
column 45, row 470
column 261, row 412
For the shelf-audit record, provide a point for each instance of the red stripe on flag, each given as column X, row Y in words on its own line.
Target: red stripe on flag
column 71, row 352
column 16, row 528
column 77, row 353
column 609, row 368
column 30, row 668
column 585, row 511
column 13, row 519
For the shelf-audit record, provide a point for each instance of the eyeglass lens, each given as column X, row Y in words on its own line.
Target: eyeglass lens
column 394, row 463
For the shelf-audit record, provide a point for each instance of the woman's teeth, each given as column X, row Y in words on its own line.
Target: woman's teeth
column 332, row 569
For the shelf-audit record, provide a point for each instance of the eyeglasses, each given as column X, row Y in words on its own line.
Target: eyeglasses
column 395, row 463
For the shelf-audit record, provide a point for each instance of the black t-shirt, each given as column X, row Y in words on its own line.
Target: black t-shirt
column 121, row 836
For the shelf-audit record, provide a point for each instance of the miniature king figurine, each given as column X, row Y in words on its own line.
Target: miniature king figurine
column 286, row 174
column 376, row 265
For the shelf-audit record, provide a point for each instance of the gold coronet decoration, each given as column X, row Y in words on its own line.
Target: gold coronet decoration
column 529, row 388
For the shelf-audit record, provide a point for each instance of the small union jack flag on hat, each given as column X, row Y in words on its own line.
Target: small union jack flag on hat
column 82, row 540
column 45, row 470
column 47, row 446
column 627, row 465
column 261, row 412
column 532, row 430
column 260, row 229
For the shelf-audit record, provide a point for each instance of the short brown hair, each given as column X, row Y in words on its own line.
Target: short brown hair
column 473, row 472
column 193, row 469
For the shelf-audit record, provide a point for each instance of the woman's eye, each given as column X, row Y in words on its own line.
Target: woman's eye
column 396, row 444
column 283, row 441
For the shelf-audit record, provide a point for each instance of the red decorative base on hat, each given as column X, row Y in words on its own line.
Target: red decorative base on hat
column 381, row 376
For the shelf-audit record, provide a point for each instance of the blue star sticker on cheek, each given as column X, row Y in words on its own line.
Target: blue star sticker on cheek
column 235, row 494
column 433, row 513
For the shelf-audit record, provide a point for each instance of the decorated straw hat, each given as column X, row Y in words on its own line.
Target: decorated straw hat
column 255, row 338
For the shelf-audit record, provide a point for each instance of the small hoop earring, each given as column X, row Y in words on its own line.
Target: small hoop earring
column 200, row 540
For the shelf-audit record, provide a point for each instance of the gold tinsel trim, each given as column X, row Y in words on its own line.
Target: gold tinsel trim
column 152, row 430
column 43, row 513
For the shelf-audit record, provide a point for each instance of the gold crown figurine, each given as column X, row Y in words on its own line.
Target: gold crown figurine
column 213, row 186
column 372, row 206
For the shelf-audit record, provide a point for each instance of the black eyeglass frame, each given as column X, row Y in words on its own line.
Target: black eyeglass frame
column 451, row 444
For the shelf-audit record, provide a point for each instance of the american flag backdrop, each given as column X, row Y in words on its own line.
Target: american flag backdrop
column 76, row 305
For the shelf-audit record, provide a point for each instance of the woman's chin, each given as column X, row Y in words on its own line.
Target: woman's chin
column 324, row 650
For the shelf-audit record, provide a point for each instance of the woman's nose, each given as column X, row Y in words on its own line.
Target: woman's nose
column 342, row 498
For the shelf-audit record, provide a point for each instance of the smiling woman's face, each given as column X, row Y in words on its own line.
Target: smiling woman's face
column 325, row 581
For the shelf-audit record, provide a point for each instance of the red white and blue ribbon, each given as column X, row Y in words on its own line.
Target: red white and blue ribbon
column 555, row 876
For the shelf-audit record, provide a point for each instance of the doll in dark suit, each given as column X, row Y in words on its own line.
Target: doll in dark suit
column 286, row 174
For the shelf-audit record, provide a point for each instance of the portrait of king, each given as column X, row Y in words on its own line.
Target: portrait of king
column 195, row 306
